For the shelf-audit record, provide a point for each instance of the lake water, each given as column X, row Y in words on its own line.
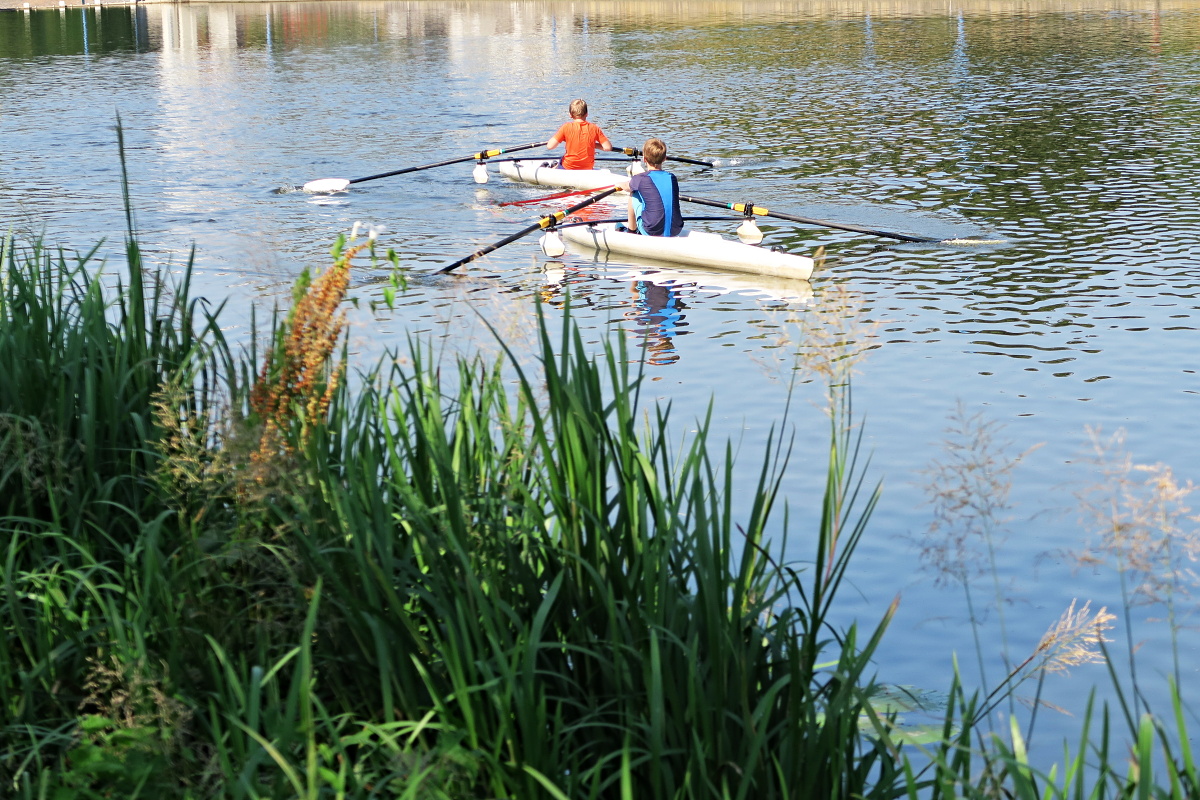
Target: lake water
column 1068, row 131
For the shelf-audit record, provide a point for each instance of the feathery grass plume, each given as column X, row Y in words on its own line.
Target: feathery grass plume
column 130, row 694
column 131, row 734
column 297, row 382
column 195, row 466
column 968, row 488
column 837, row 336
column 829, row 338
column 1141, row 524
column 1075, row 639
column 1145, row 530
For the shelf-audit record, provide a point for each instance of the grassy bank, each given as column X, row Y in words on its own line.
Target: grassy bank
column 226, row 574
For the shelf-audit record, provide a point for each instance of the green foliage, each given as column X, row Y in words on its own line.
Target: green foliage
column 111, row 761
column 456, row 586
column 82, row 363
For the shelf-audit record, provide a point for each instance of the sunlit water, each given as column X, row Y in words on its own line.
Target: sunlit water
column 1067, row 132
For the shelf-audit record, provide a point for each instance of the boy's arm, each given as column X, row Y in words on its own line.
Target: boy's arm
column 605, row 144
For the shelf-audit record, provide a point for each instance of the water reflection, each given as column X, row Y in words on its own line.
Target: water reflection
column 657, row 318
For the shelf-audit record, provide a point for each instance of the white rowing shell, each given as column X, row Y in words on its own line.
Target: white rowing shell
column 544, row 173
column 696, row 248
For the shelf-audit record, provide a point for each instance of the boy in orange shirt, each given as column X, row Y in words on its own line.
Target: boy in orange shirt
column 581, row 137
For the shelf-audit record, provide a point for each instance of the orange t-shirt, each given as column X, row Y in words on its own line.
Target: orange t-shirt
column 581, row 137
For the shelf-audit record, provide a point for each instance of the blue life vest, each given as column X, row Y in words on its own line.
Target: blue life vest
column 657, row 202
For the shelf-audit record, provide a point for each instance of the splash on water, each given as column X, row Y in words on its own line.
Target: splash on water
column 740, row 161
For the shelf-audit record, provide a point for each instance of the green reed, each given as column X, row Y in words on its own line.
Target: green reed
column 447, row 588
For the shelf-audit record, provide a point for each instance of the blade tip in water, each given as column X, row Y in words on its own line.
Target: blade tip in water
column 972, row 242
column 326, row 185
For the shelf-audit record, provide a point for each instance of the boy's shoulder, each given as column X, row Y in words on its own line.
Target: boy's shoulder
column 641, row 178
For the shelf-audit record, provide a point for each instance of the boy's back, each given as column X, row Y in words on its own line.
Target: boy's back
column 582, row 139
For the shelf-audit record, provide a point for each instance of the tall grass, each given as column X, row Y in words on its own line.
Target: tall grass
column 81, row 367
column 249, row 581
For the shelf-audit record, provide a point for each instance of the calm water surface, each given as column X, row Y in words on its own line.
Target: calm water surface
column 1068, row 132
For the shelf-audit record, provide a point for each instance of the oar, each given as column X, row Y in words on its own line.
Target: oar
column 541, row 224
column 556, row 196
column 749, row 209
column 340, row 184
column 636, row 153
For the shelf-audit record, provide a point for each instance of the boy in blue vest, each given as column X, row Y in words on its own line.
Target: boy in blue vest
column 654, row 195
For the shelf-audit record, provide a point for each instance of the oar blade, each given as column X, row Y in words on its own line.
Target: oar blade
column 326, row 186
column 552, row 244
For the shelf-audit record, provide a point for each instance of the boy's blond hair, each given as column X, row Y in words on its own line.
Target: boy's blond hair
column 654, row 151
column 578, row 109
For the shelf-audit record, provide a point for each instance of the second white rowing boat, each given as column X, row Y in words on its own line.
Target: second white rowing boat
column 545, row 172
column 696, row 248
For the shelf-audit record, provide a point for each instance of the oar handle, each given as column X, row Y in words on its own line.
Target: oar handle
column 480, row 156
column 636, row 153
column 544, row 222
column 748, row 209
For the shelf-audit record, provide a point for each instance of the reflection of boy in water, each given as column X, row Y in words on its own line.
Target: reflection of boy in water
column 660, row 310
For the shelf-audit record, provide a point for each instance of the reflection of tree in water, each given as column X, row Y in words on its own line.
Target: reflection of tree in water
column 659, row 310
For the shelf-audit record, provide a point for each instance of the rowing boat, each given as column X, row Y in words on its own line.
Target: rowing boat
column 694, row 248
column 545, row 172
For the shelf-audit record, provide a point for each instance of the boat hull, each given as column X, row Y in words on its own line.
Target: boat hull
column 693, row 248
column 543, row 173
